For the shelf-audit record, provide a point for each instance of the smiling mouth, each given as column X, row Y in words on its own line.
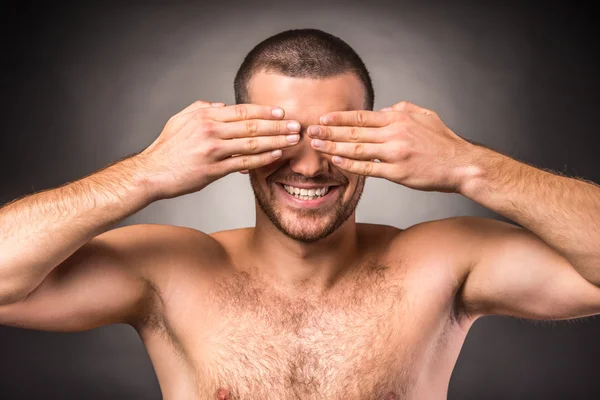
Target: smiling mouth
column 312, row 193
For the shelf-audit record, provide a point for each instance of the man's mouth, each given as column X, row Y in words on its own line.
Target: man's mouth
column 307, row 194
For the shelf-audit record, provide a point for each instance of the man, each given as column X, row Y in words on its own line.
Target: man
column 308, row 304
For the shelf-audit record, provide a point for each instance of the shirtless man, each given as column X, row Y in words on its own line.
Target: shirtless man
column 308, row 304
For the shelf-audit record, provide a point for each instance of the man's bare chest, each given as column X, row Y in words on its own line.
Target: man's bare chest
column 307, row 355
column 361, row 342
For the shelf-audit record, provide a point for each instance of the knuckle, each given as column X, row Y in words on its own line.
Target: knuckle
column 399, row 150
column 198, row 116
column 359, row 150
column 208, row 127
column 354, row 133
column 280, row 127
column 251, row 145
column 241, row 111
column 244, row 162
column 361, row 118
column 251, row 127
column 210, row 147
column 403, row 117
column 328, row 133
column 367, row 168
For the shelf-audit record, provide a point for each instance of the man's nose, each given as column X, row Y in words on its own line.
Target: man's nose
column 305, row 160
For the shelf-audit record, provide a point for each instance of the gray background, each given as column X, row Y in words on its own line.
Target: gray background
column 84, row 86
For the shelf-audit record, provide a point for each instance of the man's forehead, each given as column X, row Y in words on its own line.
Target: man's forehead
column 307, row 98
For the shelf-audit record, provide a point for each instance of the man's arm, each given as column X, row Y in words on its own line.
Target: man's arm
column 120, row 276
column 550, row 268
column 59, row 272
column 560, row 256
column 40, row 231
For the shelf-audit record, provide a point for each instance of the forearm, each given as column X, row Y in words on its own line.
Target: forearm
column 562, row 211
column 40, row 231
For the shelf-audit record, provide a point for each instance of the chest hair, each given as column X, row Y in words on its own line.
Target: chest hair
column 334, row 345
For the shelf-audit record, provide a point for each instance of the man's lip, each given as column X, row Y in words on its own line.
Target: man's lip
column 302, row 186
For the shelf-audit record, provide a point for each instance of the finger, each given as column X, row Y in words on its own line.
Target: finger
column 386, row 109
column 358, row 151
column 256, row 127
column 407, row 106
column 240, row 112
column 360, row 118
column 195, row 106
column 346, row 133
column 254, row 145
column 366, row 168
column 248, row 161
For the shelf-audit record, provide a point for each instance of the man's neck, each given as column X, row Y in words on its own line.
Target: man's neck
column 296, row 265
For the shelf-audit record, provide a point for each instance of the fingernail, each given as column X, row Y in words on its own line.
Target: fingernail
column 276, row 153
column 317, row 143
column 386, row 109
column 336, row 160
column 277, row 113
column 292, row 138
column 293, row 126
column 314, row 130
column 217, row 104
column 325, row 119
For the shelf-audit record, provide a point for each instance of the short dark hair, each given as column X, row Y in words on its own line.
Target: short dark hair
column 302, row 53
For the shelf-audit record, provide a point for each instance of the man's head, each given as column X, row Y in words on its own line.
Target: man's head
column 308, row 73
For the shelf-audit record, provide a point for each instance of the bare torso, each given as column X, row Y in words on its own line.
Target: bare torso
column 387, row 329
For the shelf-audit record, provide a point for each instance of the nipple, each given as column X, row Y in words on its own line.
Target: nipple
column 222, row 394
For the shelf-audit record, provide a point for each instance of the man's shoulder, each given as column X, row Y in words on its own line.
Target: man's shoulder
column 167, row 237
column 423, row 232
column 449, row 229
column 169, row 256
column 165, row 248
column 449, row 241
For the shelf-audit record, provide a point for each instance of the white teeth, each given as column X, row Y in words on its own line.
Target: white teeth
column 306, row 194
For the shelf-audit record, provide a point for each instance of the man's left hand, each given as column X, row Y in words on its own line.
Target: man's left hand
column 405, row 143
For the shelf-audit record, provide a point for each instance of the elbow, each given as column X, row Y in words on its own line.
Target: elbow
column 10, row 292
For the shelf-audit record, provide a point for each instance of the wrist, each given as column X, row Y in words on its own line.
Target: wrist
column 472, row 171
column 136, row 181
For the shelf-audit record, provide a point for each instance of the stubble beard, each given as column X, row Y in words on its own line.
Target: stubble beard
column 306, row 225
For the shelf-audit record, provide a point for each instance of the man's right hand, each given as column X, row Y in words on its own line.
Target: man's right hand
column 206, row 141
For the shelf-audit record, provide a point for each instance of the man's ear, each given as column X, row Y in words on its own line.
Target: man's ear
column 244, row 171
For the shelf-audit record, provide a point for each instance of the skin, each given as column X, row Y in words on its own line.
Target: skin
column 304, row 251
column 293, row 308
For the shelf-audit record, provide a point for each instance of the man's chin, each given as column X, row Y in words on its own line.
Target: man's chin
column 305, row 229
